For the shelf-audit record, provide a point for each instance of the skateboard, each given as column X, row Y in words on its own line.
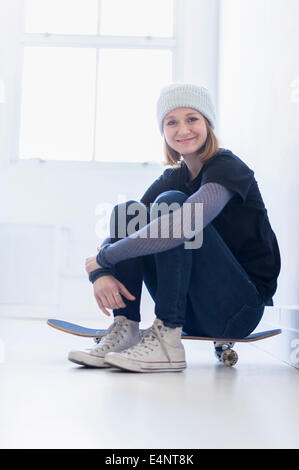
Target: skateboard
column 223, row 346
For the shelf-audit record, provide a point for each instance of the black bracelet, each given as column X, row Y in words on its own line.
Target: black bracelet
column 97, row 273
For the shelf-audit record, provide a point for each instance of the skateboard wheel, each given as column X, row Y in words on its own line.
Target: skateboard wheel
column 229, row 357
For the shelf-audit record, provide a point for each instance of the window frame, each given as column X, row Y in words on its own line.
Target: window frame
column 98, row 42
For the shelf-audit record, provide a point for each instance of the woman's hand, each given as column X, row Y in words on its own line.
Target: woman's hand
column 91, row 264
column 107, row 292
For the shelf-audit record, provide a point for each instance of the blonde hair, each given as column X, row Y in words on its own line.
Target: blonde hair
column 210, row 148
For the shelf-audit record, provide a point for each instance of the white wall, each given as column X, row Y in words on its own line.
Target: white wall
column 259, row 112
column 198, row 44
column 11, row 27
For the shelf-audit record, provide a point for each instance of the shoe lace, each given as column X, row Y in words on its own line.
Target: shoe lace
column 151, row 338
column 115, row 332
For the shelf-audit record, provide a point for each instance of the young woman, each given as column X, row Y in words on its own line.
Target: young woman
column 216, row 288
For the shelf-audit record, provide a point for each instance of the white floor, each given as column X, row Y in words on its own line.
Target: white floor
column 48, row 402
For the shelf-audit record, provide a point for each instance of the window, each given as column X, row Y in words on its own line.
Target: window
column 92, row 72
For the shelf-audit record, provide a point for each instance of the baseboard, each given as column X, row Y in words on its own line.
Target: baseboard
column 44, row 312
column 28, row 311
column 285, row 346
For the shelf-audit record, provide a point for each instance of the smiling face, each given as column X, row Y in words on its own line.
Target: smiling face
column 185, row 130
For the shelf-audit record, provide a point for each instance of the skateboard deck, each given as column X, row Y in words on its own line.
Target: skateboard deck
column 223, row 346
column 79, row 330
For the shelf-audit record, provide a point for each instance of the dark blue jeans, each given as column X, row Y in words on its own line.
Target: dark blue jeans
column 205, row 290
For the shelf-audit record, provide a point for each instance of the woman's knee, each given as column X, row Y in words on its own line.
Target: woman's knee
column 171, row 196
column 166, row 202
column 126, row 205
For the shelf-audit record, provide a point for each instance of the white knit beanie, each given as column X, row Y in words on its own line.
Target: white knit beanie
column 185, row 95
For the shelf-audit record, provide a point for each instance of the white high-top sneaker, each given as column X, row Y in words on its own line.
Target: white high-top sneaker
column 160, row 350
column 122, row 334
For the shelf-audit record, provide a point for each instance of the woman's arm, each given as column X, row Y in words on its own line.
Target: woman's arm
column 213, row 196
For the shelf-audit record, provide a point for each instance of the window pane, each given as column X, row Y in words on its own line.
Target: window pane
column 61, row 16
column 129, row 86
column 58, row 103
column 137, row 17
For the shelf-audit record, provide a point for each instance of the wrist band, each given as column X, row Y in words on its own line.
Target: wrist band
column 97, row 273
